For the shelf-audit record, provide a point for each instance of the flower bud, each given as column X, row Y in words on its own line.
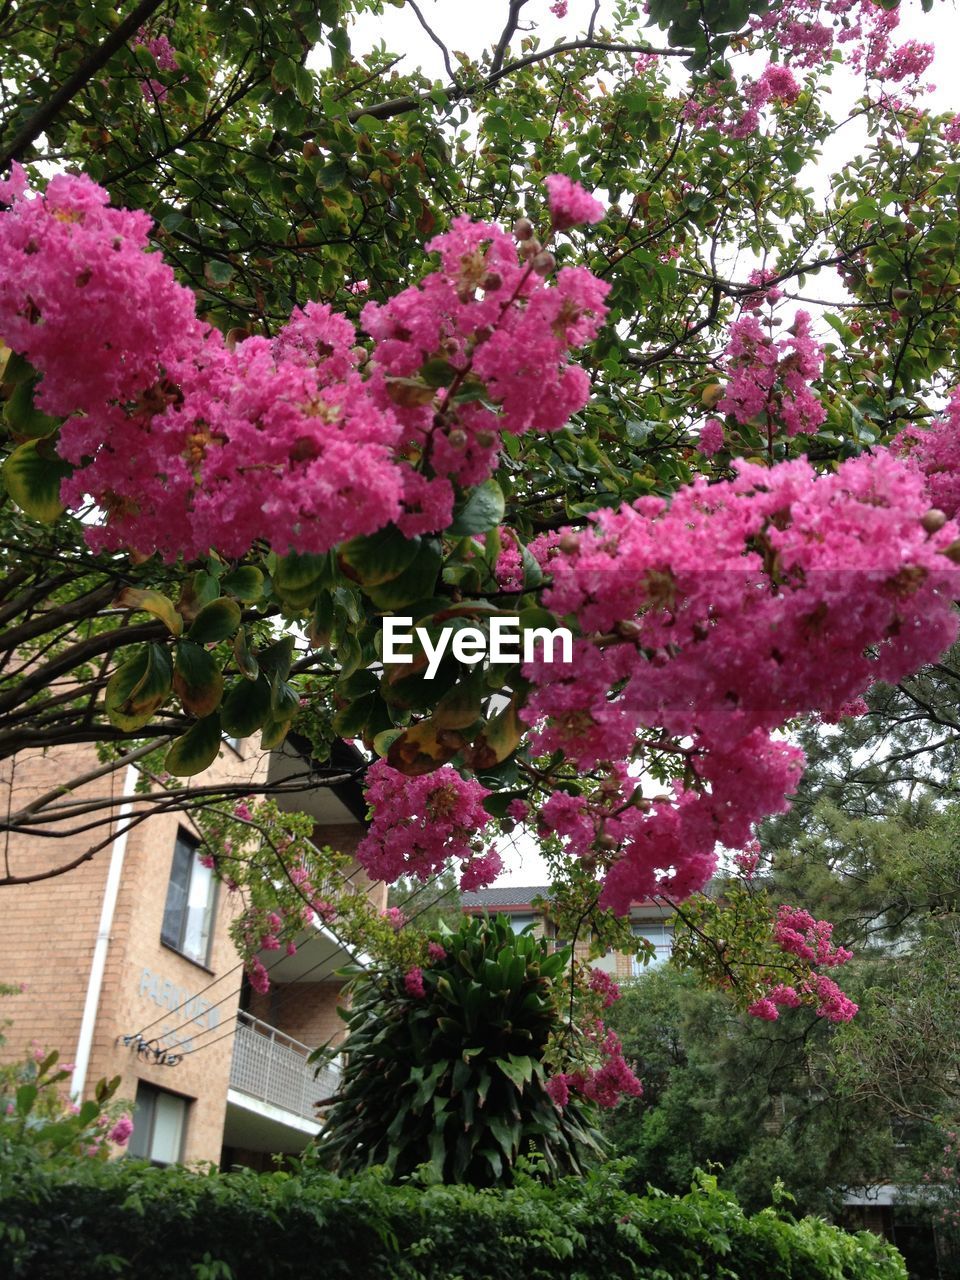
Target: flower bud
column 934, row 520
column 953, row 551
column 523, row 228
column 544, row 262
column 486, row 438
column 457, row 438
column 569, row 543
column 483, row 333
column 491, row 281
column 530, row 248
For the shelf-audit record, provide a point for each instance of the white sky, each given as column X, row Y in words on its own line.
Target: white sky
column 474, row 27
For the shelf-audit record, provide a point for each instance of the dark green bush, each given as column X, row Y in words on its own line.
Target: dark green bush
column 87, row 1222
column 454, row 1078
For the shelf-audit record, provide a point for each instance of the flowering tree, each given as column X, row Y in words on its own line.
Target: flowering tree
column 297, row 352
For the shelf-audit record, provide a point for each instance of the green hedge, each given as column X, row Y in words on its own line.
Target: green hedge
column 127, row 1219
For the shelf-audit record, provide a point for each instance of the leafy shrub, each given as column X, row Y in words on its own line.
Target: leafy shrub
column 95, row 1220
column 445, row 1065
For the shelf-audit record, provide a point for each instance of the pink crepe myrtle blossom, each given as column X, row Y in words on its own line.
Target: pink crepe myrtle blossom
column 121, row 1131
column 604, row 986
column 480, row 871
column 420, row 823
column 394, row 917
column 259, row 978
column 186, row 442
column 711, row 437
column 570, row 204
column 605, row 1085
column 714, row 651
column 413, row 983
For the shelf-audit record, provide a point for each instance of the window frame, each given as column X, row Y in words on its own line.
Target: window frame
column 640, row 929
column 147, row 1090
column 186, row 840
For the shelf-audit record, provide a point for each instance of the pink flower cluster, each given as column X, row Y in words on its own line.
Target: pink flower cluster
column 605, row 987
column 164, row 55
column 394, row 917
column 798, row 932
column 480, row 871
column 806, row 32
column 121, row 1131
column 711, row 437
column 569, row 204
column 413, row 983
column 776, row 84
column 721, row 617
column 605, row 1085
column 493, row 322
column 509, row 566
column 768, row 293
column 187, row 443
column 748, row 859
column 936, row 451
column 768, row 378
column 420, row 823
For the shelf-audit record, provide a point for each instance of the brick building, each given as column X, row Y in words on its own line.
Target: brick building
column 650, row 920
column 129, row 969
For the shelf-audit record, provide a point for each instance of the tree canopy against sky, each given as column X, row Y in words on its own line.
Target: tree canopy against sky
column 299, row 338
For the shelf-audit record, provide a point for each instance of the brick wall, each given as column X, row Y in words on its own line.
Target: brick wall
column 50, row 929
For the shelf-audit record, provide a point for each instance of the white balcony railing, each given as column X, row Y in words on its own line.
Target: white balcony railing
column 269, row 1065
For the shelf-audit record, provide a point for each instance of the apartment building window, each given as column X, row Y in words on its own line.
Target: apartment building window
column 661, row 935
column 159, row 1122
column 519, row 923
column 191, row 895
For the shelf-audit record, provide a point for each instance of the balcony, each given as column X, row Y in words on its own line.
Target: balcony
column 272, row 1068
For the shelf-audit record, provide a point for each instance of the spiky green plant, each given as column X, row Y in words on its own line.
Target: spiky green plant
column 455, row 1079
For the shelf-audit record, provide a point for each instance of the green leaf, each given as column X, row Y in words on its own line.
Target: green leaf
column 26, row 1097
column 274, row 730
column 33, row 481
column 215, row 621
column 416, row 582
column 519, row 1071
column 23, row 418
column 277, row 658
column 482, row 510
column 460, row 706
column 198, row 590
column 154, row 602
column 246, row 707
column 244, row 659
column 138, row 687
column 197, row 680
column 380, row 556
column 196, row 750
column 384, row 740
column 246, row 583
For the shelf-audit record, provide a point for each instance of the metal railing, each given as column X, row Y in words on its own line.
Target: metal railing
column 269, row 1065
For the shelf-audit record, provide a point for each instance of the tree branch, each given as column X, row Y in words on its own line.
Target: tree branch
column 84, row 73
